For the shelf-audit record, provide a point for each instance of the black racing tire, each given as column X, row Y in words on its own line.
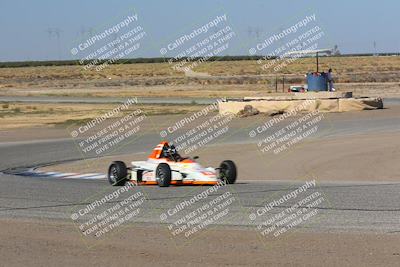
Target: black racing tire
column 117, row 173
column 228, row 171
column 163, row 175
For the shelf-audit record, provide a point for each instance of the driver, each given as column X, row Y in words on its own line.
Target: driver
column 170, row 152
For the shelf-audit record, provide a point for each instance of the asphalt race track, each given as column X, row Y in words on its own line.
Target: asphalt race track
column 347, row 206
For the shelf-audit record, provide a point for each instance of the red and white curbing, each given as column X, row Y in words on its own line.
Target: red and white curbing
column 63, row 175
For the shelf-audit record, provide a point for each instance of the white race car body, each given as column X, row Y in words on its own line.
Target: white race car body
column 183, row 172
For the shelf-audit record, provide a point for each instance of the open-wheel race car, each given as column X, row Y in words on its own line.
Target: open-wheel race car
column 166, row 167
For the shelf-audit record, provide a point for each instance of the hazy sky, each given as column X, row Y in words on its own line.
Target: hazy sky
column 49, row 29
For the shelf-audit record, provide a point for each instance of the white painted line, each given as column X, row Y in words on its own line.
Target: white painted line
column 64, row 175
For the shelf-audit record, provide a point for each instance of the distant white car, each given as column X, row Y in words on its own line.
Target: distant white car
column 165, row 167
column 298, row 88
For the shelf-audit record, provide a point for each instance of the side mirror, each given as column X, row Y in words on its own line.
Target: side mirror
column 195, row 157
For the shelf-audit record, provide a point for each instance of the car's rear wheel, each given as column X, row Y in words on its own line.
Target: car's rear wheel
column 117, row 173
column 228, row 172
column 163, row 175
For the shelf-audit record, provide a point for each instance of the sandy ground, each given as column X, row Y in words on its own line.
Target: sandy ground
column 157, row 122
column 59, row 244
column 64, row 130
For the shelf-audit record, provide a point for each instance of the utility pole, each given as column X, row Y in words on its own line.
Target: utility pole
column 56, row 32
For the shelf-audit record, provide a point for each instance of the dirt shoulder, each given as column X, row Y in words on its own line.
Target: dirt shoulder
column 52, row 243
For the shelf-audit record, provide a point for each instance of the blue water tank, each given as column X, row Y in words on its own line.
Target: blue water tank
column 317, row 81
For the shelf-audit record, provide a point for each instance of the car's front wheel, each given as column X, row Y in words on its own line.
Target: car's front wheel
column 228, row 172
column 163, row 175
column 117, row 173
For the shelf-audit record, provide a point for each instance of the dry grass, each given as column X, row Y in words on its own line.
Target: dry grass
column 246, row 67
column 17, row 115
column 229, row 78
